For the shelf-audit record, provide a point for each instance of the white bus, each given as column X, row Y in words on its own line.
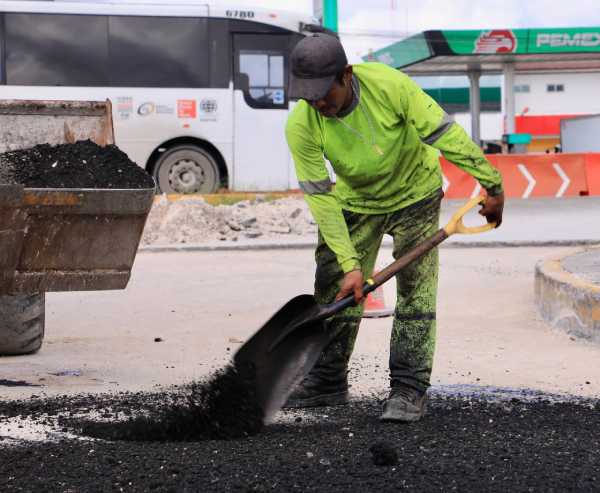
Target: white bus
column 199, row 90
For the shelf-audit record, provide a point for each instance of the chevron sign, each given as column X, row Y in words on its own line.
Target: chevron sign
column 525, row 176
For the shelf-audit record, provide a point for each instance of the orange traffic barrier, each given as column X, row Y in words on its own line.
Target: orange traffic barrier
column 592, row 171
column 531, row 175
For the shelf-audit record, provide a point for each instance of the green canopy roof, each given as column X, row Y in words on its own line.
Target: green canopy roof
column 454, row 52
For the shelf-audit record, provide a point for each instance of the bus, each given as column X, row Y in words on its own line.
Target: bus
column 198, row 90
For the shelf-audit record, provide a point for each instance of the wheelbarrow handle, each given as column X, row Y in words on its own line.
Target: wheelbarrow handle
column 455, row 225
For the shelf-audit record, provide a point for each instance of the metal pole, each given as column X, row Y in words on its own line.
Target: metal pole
column 475, row 105
column 318, row 10
column 330, row 14
column 508, row 98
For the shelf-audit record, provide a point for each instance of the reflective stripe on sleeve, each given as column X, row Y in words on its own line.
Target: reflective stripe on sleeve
column 315, row 187
column 445, row 125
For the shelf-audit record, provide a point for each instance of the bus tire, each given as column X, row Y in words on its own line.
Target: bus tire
column 22, row 320
column 187, row 169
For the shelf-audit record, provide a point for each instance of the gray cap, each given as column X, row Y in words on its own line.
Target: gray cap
column 315, row 61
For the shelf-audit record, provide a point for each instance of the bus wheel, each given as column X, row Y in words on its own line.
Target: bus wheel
column 187, row 169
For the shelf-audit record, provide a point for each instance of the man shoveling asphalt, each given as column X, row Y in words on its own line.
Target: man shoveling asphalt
column 381, row 133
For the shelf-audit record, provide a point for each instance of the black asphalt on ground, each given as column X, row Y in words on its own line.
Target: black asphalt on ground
column 463, row 444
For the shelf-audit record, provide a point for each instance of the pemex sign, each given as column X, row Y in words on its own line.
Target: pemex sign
column 524, row 41
column 429, row 44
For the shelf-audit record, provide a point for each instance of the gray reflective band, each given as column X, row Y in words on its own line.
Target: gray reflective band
column 314, row 187
column 445, row 125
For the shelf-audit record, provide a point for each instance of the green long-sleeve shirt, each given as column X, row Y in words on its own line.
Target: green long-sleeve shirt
column 384, row 154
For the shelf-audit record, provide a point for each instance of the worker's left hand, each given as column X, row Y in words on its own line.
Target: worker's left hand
column 492, row 209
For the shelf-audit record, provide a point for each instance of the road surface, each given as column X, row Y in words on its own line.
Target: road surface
column 202, row 304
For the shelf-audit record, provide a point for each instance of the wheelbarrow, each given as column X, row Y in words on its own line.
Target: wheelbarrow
column 60, row 239
column 282, row 352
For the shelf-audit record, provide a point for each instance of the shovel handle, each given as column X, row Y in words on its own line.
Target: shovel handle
column 390, row 271
column 455, row 225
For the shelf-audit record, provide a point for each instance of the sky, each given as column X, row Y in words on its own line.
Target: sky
column 390, row 20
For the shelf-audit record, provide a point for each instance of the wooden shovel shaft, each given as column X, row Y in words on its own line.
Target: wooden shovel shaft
column 455, row 225
column 386, row 274
column 395, row 267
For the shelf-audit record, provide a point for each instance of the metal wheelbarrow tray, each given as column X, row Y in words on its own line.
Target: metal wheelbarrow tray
column 69, row 239
column 60, row 239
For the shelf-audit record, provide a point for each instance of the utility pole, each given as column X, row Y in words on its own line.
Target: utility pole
column 330, row 15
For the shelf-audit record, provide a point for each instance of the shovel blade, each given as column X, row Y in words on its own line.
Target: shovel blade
column 300, row 340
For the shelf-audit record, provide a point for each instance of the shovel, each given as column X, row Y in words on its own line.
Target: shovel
column 282, row 352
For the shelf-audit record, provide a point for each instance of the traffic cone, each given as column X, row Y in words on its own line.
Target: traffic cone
column 375, row 305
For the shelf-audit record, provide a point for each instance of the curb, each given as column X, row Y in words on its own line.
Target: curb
column 228, row 198
column 567, row 301
column 310, row 244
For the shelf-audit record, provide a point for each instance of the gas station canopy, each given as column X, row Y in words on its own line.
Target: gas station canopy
column 487, row 51
column 496, row 51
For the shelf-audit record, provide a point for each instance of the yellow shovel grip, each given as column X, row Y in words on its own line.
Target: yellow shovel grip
column 456, row 225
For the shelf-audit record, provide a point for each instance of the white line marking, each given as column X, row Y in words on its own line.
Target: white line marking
column 566, row 182
column 445, row 183
column 530, row 179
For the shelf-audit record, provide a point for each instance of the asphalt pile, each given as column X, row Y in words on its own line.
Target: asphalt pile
column 463, row 444
column 82, row 164
column 225, row 407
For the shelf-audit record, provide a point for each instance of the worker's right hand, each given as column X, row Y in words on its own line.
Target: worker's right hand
column 352, row 284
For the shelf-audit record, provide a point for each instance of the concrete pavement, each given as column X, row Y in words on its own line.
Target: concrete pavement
column 201, row 305
column 535, row 222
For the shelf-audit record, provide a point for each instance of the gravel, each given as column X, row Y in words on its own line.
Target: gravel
column 194, row 221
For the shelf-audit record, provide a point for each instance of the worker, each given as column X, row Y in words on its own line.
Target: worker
column 382, row 135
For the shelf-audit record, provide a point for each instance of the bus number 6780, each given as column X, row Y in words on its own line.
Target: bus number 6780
column 242, row 14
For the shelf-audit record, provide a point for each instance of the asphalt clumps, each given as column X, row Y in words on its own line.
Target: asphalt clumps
column 223, row 408
column 384, row 454
column 83, row 164
column 15, row 383
column 466, row 444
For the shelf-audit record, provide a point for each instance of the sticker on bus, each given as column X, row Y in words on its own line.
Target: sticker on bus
column 278, row 96
column 208, row 109
column 186, row 108
column 124, row 107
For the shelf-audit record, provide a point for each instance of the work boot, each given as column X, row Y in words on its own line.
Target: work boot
column 313, row 392
column 404, row 404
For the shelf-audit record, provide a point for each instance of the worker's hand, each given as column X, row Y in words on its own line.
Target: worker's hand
column 492, row 209
column 352, row 283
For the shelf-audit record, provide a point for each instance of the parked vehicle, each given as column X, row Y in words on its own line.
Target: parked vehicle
column 199, row 91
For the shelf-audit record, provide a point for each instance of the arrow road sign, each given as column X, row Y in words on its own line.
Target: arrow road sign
column 530, row 180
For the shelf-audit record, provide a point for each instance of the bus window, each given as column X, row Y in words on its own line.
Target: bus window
column 159, row 52
column 56, row 50
column 260, row 67
column 220, row 53
column 265, row 76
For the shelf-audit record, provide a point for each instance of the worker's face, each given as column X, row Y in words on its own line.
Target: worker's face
column 336, row 98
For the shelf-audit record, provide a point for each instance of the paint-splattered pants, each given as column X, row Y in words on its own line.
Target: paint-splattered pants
column 412, row 341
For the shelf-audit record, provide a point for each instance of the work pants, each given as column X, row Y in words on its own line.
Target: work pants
column 412, row 341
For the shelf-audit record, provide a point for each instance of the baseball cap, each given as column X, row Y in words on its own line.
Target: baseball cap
column 315, row 61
